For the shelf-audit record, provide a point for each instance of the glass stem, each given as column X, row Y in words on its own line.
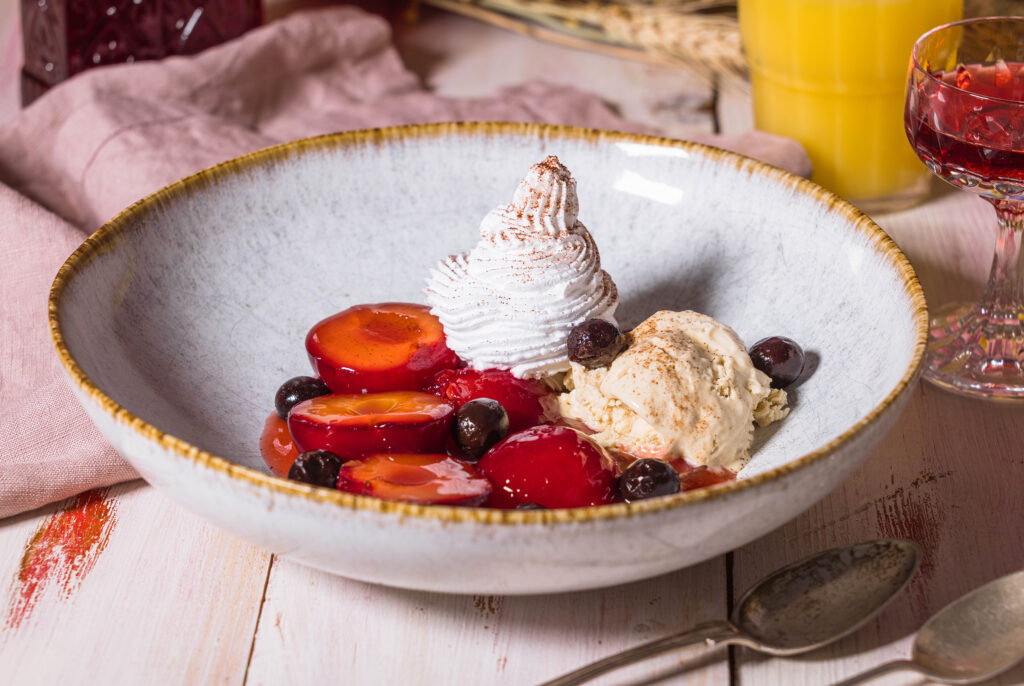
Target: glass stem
column 1003, row 301
column 1002, row 306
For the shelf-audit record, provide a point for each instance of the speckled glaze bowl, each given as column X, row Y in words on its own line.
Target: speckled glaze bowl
column 178, row 320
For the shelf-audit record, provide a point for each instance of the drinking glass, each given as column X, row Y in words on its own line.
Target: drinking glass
column 964, row 117
column 832, row 74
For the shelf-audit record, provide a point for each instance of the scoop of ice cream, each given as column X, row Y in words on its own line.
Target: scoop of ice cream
column 511, row 301
column 684, row 387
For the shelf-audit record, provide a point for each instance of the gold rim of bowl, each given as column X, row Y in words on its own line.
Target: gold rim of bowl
column 107, row 236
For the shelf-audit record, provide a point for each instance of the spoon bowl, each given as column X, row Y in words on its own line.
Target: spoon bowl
column 795, row 609
column 976, row 637
column 820, row 599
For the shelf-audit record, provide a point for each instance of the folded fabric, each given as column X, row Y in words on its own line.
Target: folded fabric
column 97, row 143
column 50, row 449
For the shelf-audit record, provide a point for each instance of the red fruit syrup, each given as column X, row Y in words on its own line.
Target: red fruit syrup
column 276, row 446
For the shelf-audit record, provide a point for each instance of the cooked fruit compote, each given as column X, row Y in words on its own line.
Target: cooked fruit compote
column 514, row 387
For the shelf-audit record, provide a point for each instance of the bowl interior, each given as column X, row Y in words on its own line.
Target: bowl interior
column 195, row 307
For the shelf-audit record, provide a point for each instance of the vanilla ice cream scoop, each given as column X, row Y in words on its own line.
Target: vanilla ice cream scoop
column 511, row 301
column 684, row 387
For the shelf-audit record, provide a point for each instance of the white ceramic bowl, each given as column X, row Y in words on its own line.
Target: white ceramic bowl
column 178, row 320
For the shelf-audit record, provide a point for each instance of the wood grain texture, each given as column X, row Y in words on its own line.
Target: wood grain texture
column 318, row 628
column 169, row 600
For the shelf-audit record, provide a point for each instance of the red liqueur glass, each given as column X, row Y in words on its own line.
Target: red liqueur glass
column 65, row 37
column 965, row 119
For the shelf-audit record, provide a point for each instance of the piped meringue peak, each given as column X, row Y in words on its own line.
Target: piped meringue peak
column 511, row 301
column 545, row 205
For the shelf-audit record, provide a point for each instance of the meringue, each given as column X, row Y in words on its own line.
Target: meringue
column 511, row 301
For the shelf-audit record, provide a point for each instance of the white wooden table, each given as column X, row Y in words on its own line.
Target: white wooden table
column 156, row 595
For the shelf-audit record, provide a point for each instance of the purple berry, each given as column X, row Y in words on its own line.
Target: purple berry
column 648, row 478
column 316, row 467
column 295, row 390
column 595, row 343
column 479, row 424
column 778, row 357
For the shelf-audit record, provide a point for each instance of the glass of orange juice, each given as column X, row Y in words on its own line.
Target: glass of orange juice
column 832, row 75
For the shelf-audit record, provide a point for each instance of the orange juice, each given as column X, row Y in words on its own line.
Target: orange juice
column 832, row 74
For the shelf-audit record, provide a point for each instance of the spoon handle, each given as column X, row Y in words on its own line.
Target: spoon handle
column 893, row 666
column 712, row 632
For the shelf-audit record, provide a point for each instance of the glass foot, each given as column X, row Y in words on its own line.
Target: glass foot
column 976, row 353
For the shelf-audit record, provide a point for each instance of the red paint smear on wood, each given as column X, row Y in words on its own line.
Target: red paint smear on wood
column 914, row 515
column 62, row 551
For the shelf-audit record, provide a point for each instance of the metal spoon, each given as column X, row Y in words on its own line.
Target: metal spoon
column 795, row 609
column 972, row 639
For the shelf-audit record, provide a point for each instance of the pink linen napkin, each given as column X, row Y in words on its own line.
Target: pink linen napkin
column 100, row 141
column 48, row 447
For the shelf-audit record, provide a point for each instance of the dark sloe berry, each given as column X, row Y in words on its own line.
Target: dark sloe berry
column 595, row 343
column 648, row 478
column 778, row 357
column 317, row 467
column 479, row 424
column 295, row 390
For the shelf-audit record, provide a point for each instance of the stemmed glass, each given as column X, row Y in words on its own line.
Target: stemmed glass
column 965, row 119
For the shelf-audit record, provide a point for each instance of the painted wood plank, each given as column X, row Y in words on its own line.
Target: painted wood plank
column 317, row 628
column 125, row 587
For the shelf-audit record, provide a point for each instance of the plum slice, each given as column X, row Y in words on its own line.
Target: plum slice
column 433, row 479
column 379, row 347
column 354, row 424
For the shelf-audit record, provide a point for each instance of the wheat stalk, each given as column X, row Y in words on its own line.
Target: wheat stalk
column 706, row 40
column 699, row 33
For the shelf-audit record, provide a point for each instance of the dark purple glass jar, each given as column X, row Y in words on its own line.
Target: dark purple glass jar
column 65, row 37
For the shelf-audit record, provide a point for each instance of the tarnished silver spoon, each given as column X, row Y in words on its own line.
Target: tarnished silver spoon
column 974, row 638
column 795, row 609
